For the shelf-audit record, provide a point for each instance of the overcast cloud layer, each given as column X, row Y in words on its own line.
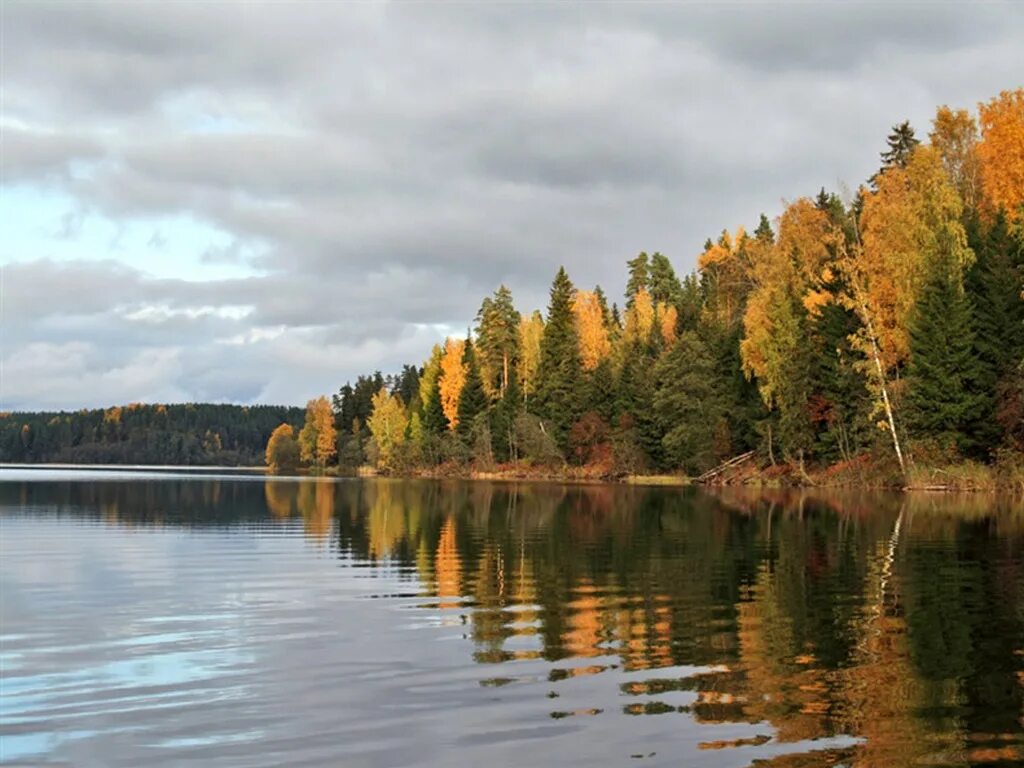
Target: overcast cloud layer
column 254, row 203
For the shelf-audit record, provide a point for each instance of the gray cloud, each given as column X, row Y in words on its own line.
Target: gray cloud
column 42, row 156
column 382, row 167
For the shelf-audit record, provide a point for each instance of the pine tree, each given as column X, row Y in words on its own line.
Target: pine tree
column 472, row 399
column 559, row 374
column 944, row 369
column 662, row 282
column 497, row 344
column 764, row 231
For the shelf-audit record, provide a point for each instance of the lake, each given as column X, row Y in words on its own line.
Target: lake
column 238, row 621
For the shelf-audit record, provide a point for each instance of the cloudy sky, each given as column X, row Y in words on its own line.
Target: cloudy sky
column 253, row 202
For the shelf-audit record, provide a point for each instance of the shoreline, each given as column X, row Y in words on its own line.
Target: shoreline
column 766, row 478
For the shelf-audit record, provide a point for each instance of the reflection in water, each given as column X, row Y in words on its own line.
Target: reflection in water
column 794, row 628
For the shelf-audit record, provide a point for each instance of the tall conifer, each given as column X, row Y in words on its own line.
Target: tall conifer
column 559, row 376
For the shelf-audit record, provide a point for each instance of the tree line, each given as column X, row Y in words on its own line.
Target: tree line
column 888, row 324
column 189, row 434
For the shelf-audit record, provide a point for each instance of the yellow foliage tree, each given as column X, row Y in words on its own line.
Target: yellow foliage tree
column 318, row 440
column 282, row 452
column 669, row 319
column 531, row 330
column 955, row 135
column 1001, row 152
column 453, row 376
column 591, row 330
column 431, row 374
column 387, row 424
column 725, row 265
column 914, row 212
column 640, row 317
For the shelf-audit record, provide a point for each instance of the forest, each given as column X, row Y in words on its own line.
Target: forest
column 878, row 333
column 191, row 434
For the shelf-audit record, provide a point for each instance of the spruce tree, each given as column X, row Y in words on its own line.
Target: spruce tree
column 689, row 405
column 434, row 420
column 472, row 398
column 559, row 376
column 901, row 145
column 634, row 398
column 600, row 391
column 944, row 369
column 503, row 419
column 690, row 304
column 639, row 275
column 994, row 285
column 764, row 231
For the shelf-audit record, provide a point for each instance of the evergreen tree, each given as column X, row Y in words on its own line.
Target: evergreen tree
column 944, row 369
column 407, row 386
column 840, row 406
column 744, row 406
column 356, row 402
column 901, row 146
column 602, row 302
column 503, row 419
column 690, row 304
column 689, row 405
column 994, row 284
column 663, row 284
column 600, row 391
column 559, row 374
column 497, row 344
column 434, row 420
column 634, row 399
column 764, row 231
column 639, row 276
column 472, row 399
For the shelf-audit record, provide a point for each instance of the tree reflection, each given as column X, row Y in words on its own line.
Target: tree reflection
column 859, row 614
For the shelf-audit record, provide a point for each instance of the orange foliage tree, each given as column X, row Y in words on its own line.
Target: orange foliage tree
column 1001, row 152
column 595, row 345
column 453, row 376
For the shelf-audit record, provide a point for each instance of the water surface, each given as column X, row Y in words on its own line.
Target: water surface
column 160, row 620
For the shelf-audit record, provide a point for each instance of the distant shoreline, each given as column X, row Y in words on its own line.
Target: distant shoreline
column 197, row 469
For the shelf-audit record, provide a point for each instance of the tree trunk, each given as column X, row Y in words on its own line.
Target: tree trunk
column 885, row 390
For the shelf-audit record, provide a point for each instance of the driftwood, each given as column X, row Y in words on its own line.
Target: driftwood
column 725, row 466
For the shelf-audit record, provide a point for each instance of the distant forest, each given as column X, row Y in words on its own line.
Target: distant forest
column 883, row 328
column 188, row 435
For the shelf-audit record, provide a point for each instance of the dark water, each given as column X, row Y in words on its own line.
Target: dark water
column 237, row 621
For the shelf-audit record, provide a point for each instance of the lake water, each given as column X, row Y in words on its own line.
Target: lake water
column 237, row 621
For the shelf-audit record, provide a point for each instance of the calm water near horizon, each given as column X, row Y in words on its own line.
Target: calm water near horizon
column 163, row 619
